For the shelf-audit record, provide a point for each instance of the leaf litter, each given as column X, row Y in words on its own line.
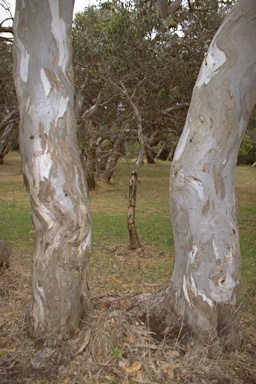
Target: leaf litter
column 112, row 346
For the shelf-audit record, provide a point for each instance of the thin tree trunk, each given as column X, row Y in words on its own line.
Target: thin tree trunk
column 51, row 166
column 160, row 151
column 133, row 235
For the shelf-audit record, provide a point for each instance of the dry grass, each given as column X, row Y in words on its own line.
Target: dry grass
column 112, row 346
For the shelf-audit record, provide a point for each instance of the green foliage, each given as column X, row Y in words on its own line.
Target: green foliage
column 15, row 145
column 7, row 92
column 247, row 151
column 128, row 43
column 116, row 352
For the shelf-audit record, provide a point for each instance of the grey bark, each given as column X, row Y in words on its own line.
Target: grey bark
column 203, row 292
column 166, row 9
column 52, row 169
column 203, row 202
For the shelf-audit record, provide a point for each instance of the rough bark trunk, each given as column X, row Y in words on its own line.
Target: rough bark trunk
column 52, row 169
column 205, row 282
column 133, row 235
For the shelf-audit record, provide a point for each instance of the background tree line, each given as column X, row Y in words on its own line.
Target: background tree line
column 128, row 43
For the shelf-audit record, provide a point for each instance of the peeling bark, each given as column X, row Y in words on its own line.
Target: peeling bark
column 204, row 287
column 203, row 202
column 52, row 169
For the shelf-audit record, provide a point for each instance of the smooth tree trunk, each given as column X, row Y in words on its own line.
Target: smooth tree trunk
column 51, row 165
column 204, row 287
column 203, row 201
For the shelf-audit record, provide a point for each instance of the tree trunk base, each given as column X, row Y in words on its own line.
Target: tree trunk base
column 158, row 312
column 228, row 327
column 160, row 317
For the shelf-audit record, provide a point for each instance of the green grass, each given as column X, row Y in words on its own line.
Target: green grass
column 15, row 213
column 127, row 272
column 16, row 225
column 246, row 193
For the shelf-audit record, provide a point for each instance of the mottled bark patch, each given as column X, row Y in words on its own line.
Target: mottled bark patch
column 219, row 183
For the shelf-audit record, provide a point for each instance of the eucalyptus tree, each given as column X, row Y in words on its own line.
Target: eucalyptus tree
column 123, row 44
column 205, row 283
column 43, row 73
column 204, row 287
column 129, row 43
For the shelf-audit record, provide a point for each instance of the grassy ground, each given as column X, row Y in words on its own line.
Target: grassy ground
column 114, row 270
